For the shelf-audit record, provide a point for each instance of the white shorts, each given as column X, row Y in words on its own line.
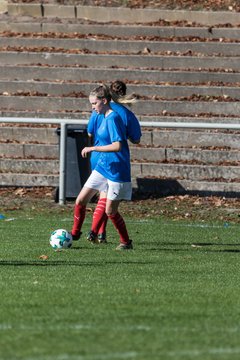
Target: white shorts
column 114, row 190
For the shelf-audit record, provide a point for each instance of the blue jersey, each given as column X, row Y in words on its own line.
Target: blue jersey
column 93, row 124
column 114, row 166
column 132, row 127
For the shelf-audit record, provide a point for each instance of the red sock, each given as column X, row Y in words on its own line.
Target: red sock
column 120, row 225
column 102, row 229
column 79, row 216
column 99, row 217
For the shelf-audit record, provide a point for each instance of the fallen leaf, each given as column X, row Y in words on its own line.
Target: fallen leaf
column 43, row 257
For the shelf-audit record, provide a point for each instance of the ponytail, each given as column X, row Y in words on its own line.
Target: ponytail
column 118, row 92
column 103, row 91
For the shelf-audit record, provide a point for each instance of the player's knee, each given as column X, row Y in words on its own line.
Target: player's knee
column 110, row 212
column 79, row 202
column 85, row 196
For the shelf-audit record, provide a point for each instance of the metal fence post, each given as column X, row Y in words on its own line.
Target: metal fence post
column 62, row 164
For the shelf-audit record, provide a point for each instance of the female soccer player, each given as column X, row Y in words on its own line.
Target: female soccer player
column 133, row 132
column 112, row 170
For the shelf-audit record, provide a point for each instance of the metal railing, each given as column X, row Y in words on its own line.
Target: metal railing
column 63, row 136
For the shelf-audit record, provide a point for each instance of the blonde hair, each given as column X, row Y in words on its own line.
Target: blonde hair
column 126, row 99
column 105, row 92
column 102, row 92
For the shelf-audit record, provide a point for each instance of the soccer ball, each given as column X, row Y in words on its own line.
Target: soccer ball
column 60, row 239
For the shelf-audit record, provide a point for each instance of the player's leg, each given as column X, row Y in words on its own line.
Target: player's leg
column 82, row 200
column 99, row 222
column 116, row 193
column 96, row 182
column 102, row 233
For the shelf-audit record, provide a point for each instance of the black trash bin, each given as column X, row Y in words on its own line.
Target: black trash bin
column 77, row 168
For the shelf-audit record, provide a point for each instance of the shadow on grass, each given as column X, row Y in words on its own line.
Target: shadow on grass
column 185, row 250
column 197, row 244
column 71, row 263
column 193, row 246
column 214, row 244
column 44, row 263
column 204, row 246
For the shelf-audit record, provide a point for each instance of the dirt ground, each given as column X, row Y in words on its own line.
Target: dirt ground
column 189, row 208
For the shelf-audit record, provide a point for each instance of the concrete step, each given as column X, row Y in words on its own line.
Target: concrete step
column 142, row 107
column 33, row 151
column 95, row 74
column 121, row 61
column 25, row 180
column 207, row 173
column 209, row 146
column 163, row 91
column 151, row 137
column 28, row 136
column 165, row 187
column 120, row 14
column 123, row 46
column 186, row 171
column 177, row 155
column 46, row 115
column 26, row 25
column 36, row 166
column 191, row 138
column 163, row 154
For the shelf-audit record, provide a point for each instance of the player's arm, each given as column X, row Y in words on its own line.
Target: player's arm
column 114, row 147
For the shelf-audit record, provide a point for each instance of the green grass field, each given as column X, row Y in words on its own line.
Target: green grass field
column 175, row 296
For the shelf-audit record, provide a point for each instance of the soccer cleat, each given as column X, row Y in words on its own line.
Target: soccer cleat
column 92, row 237
column 102, row 238
column 76, row 236
column 122, row 246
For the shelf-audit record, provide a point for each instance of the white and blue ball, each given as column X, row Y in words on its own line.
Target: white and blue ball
column 60, row 239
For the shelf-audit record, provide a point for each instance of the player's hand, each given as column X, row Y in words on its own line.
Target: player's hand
column 86, row 150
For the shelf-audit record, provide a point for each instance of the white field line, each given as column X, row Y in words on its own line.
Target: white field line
column 77, row 327
column 180, row 353
column 204, row 352
column 143, row 222
column 106, row 356
column 191, row 353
